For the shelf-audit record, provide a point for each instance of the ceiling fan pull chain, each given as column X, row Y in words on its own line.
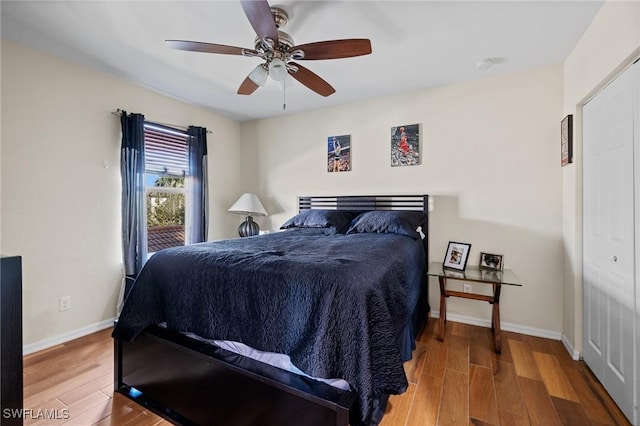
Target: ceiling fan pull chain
column 284, row 94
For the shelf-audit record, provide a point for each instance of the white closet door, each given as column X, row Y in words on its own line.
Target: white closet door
column 609, row 248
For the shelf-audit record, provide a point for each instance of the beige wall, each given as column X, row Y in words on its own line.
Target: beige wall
column 61, row 182
column 490, row 156
column 610, row 43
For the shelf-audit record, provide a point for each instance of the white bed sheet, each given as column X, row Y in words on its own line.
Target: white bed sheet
column 281, row 361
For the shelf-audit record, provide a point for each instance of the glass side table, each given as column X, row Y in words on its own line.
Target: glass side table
column 476, row 275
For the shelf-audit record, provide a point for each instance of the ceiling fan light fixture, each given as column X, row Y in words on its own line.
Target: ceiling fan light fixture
column 278, row 69
column 259, row 75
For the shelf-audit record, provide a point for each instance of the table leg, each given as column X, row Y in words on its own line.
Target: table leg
column 493, row 316
column 495, row 322
column 443, row 308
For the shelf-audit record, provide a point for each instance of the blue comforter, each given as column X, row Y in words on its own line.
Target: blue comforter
column 336, row 304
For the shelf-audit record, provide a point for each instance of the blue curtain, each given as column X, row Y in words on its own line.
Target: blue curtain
column 198, row 196
column 134, row 245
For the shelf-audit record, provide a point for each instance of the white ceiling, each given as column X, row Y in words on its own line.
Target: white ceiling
column 416, row 44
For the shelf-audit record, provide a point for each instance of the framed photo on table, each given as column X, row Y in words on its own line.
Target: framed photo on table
column 491, row 262
column 457, row 255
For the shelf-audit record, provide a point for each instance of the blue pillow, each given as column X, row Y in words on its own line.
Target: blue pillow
column 320, row 219
column 389, row 222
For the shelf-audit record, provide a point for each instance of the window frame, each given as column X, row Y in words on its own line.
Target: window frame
column 167, row 189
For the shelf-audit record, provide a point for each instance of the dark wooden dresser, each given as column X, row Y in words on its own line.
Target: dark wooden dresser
column 10, row 340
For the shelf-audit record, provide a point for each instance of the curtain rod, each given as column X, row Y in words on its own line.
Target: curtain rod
column 118, row 112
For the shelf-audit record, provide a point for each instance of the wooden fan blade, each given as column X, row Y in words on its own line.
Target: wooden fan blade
column 312, row 80
column 335, row 49
column 247, row 87
column 259, row 14
column 197, row 46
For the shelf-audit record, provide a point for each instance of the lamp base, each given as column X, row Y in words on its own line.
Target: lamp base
column 248, row 228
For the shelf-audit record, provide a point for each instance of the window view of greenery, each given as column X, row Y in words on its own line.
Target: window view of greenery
column 165, row 213
column 163, row 207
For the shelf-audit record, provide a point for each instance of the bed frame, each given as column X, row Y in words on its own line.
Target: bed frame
column 189, row 383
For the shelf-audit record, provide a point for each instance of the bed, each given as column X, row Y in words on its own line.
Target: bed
column 343, row 308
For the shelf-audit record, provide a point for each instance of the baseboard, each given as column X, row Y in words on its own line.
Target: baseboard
column 65, row 337
column 575, row 355
column 506, row 326
column 516, row 328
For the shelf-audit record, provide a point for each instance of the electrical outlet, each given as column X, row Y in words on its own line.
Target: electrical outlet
column 466, row 288
column 65, row 303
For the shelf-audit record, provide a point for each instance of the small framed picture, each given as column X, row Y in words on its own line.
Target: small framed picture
column 457, row 255
column 566, row 140
column 490, row 261
column 339, row 153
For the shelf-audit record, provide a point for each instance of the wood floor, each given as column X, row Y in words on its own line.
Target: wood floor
column 458, row 381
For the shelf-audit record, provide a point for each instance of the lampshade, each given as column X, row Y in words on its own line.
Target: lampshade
column 259, row 75
column 277, row 69
column 248, row 204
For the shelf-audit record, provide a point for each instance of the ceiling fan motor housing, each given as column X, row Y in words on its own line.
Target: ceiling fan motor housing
column 285, row 42
column 280, row 17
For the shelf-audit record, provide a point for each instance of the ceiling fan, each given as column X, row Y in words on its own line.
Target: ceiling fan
column 278, row 50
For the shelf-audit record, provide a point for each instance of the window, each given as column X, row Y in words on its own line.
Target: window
column 166, row 170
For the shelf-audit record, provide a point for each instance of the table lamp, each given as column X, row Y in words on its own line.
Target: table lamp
column 248, row 204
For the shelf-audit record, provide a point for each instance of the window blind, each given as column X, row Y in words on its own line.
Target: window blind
column 165, row 150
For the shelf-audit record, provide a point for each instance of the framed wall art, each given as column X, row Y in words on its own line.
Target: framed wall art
column 566, row 140
column 339, row 153
column 405, row 145
column 456, row 256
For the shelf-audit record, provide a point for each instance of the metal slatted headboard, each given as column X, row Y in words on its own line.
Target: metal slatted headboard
column 366, row 202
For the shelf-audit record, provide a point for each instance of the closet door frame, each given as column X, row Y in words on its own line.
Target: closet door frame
column 636, row 148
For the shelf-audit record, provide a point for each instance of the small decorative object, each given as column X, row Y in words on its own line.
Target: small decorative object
column 457, row 255
column 405, row 145
column 248, row 204
column 339, row 153
column 491, row 261
column 566, row 140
